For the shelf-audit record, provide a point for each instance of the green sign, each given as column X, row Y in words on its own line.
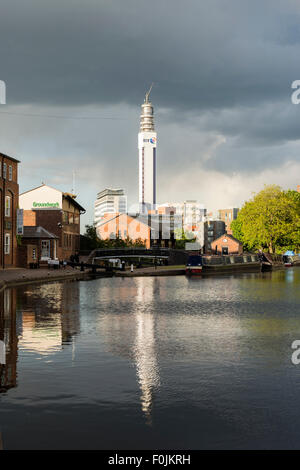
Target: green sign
column 45, row 204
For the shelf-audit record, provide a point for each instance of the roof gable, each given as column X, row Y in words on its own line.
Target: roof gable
column 227, row 235
column 41, row 186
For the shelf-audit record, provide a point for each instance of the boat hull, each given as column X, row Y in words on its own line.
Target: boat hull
column 193, row 270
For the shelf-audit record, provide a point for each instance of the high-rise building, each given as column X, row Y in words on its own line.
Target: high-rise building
column 228, row 215
column 213, row 229
column 109, row 201
column 192, row 212
column 147, row 157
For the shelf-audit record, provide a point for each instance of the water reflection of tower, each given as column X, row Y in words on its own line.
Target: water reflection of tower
column 8, row 335
column 145, row 354
column 131, row 333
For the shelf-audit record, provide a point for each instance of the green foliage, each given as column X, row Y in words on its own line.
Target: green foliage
column 182, row 237
column 19, row 240
column 270, row 221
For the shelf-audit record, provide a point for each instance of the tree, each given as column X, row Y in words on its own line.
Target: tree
column 270, row 220
column 182, row 237
column 90, row 240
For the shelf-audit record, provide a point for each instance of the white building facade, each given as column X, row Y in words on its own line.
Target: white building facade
column 147, row 140
column 192, row 213
column 109, row 201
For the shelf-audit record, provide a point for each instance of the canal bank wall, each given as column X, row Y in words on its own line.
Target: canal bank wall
column 19, row 276
column 159, row 271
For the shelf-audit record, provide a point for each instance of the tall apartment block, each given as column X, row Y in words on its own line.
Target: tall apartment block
column 109, row 201
column 228, row 215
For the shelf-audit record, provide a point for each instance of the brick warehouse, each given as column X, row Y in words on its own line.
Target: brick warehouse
column 9, row 200
column 227, row 245
column 58, row 213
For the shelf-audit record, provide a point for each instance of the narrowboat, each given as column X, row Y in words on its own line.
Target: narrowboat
column 194, row 265
column 211, row 264
column 270, row 261
column 290, row 259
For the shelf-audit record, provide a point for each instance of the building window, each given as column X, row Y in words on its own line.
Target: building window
column 34, row 253
column 65, row 218
column 45, row 251
column 7, row 206
column 4, row 170
column 71, row 218
column 7, row 244
column 10, row 173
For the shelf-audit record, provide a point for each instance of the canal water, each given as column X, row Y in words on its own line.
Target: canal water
column 152, row 363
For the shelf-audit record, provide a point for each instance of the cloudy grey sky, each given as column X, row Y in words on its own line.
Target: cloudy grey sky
column 76, row 73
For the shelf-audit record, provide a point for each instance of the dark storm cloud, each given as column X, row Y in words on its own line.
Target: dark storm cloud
column 222, row 70
column 202, row 55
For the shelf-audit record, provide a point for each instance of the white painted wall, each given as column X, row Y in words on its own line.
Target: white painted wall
column 43, row 197
column 144, row 143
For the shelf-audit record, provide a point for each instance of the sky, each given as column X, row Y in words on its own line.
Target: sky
column 76, row 74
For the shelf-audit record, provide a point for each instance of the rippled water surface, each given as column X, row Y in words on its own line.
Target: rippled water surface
column 163, row 362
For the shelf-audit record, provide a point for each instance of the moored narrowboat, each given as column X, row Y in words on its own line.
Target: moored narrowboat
column 194, row 265
column 289, row 258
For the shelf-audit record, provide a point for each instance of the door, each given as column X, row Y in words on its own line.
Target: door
column 224, row 250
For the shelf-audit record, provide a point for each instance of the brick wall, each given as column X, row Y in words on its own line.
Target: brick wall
column 123, row 226
column 25, row 253
column 8, row 187
column 234, row 247
column 68, row 234
column 29, row 218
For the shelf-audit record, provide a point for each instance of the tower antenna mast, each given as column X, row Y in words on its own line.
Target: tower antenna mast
column 148, row 93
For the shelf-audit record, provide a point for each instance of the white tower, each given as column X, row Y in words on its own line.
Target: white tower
column 147, row 157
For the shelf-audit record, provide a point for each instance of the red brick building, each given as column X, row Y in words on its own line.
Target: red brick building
column 9, row 200
column 36, row 242
column 226, row 245
column 58, row 213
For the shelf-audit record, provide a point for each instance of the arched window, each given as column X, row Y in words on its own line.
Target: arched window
column 7, row 244
column 7, row 206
